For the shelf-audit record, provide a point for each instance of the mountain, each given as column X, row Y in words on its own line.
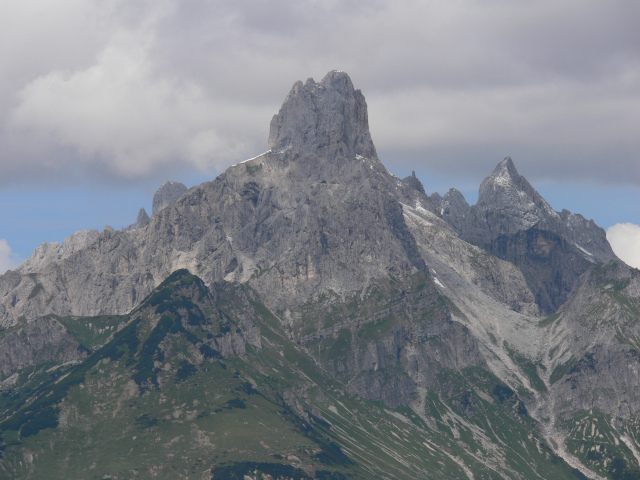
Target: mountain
column 513, row 222
column 307, row 314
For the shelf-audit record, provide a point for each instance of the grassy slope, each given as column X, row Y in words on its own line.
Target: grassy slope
column 153, row 402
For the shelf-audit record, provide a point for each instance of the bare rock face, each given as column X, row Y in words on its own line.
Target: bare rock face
column 141, row 220
column 324, row 119
column 507, row 204
column 414, row 183
column 389, row 290
column 317, row 212
column 512, row 221
column 453, row 208
column 41, row 341
column 48, row 253
column 167, row 194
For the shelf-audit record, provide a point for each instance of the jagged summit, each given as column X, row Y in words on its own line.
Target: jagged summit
column 506, row 188
column 513, row 222
column 324, row 119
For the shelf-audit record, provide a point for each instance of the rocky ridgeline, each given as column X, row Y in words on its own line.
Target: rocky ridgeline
column 318, row 211
column 512, row 221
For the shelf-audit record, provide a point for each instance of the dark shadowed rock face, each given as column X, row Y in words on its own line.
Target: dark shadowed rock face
column 41, row 341
column 167, row 194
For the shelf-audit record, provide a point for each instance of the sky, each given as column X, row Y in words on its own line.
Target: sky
column 101, row 101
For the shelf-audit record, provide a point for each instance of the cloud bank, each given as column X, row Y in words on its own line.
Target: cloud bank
column 8, row 260
column 625, row 242
column 126, row 88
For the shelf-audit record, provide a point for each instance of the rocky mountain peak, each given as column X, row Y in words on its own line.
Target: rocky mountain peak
column 505, row 186
column 324, row 119
column 168, row 193
column 507, row 191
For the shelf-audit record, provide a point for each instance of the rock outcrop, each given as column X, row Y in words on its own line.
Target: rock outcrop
column 141, row 220
column 167, row 194
column 318, row 212
column 326, row 119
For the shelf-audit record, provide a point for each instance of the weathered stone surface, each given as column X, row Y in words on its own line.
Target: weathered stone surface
column 508, row 204
column 414, row 183
column 167, row 194
column 49, row 253
column 141, row 220
column 41, row 341
column 323, row 119
column 453, row 208
column 512, row 221
column 385, row 287
column 323, row 214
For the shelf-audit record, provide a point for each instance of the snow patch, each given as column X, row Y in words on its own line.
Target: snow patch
column 253, row 158
column 583, row 250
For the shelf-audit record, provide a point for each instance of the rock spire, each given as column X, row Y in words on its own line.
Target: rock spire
column 327, row 119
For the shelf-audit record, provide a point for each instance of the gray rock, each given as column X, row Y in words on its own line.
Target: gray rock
column 454, row 208
column 141, row 220
column 166, row 195
column 323, row 119
column 41, row 341
column 514, row 222
column 388, row 289
column 414, row 183
column 49, row 253
column 322, row 215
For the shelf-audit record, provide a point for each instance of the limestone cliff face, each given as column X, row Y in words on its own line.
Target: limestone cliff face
column 326, row 119
column 318, row 211
column 167, row 194
column 317, row 216
column 41, row 341
column 593, row 352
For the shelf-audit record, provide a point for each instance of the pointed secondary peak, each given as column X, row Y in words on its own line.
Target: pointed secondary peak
column 505, row 171
column 324, row 119
column 505, row 185
column 506, row 190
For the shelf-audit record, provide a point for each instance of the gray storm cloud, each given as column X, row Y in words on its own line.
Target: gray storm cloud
column 132, row 87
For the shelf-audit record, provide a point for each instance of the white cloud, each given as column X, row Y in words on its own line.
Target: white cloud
column 625, row 241
column 8, row 260
column 120, row 112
